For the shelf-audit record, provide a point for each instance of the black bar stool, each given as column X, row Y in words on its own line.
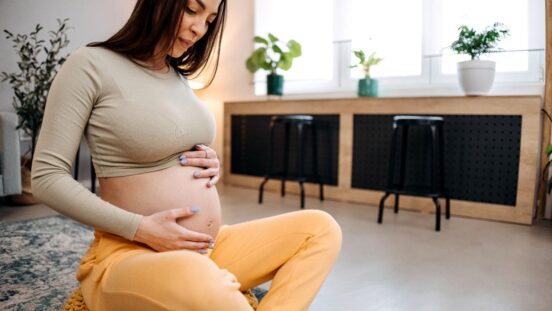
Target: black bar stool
column 402, row 124
column 299, row 122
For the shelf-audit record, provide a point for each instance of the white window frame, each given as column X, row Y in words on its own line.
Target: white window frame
column 430, row 82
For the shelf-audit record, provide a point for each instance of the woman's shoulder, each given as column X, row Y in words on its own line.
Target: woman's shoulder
column 93, row 55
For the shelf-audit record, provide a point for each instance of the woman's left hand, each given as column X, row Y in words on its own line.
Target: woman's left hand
column 205, row 158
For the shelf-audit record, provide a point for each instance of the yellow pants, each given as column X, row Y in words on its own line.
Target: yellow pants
column 295, row 250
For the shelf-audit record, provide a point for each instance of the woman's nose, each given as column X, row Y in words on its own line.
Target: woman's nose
column 198, row 29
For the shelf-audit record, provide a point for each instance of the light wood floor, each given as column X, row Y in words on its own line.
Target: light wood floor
column 404, row 264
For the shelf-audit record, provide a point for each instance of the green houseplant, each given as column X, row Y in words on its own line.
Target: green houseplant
column 477, row 76
column 367, row 86
column 38, row 64
column 271, row 56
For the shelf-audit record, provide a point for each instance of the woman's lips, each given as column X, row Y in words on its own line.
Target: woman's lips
column 185, row 43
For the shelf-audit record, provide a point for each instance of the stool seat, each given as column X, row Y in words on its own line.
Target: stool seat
column 298, row 122
column 417, row 120
column 401, row 125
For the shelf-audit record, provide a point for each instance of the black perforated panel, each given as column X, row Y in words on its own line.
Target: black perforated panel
column 250, row 144
column 481, row 156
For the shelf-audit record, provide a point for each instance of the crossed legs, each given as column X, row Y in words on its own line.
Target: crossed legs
column 294, row 250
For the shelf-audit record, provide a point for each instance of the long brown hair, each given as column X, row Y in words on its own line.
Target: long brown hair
column 155, row 23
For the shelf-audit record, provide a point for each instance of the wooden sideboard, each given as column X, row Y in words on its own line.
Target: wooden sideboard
column 515, row 120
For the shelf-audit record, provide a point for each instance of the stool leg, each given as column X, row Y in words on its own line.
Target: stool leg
column 437, row 214
column 403, row 155
column 382, row 201
column 396, row 203
column 261, row 189
column 441, row 133
column 269, row 161
column 286, row 152
column 436, row 162
column 315, row 162
column 302, row 194
column 447, row 208
column 392, row 156
column 300, row 177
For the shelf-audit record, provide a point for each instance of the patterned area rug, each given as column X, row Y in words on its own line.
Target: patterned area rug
column 38, row 260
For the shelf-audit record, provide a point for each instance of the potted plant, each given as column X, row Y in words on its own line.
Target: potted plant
column 38, row 64
column 477, row 76
column 367, row 86
column 271, row 56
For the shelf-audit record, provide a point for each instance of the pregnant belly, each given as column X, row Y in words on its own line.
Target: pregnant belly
column 170, row 188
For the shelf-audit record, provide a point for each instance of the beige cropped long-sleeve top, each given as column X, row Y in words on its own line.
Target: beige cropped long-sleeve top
column 135, row 121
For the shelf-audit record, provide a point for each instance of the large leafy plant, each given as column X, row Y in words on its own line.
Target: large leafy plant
column 476, row 43
column 38, row 64
column 271, row 55
column 366, row 63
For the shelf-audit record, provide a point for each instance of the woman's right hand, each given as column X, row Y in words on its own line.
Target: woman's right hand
column 161, row 232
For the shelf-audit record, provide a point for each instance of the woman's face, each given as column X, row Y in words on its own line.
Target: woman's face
column 197, row 17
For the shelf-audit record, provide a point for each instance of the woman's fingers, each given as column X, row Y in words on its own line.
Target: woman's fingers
column 193, row 236
column 162, row 232
column 209, row 172
column 206, row 158
column 201, row 154
column 201, row 151
column 194, row 245
column 213, row 181
column 176, row 213
column 201, row 162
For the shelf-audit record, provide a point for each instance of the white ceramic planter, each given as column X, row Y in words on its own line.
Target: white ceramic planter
column 476, row 76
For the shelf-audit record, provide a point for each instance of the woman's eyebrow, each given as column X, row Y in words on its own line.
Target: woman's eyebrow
column 203, row 6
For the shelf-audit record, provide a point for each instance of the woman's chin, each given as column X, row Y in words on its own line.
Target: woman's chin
column 177, row 53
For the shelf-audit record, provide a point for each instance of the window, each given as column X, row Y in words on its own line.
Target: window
column 307, row 21
column 398, row 40
column 411, row 35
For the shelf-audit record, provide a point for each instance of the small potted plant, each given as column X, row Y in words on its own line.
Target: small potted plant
column 38, row 64
column 271, row 56
column 477, row 76
column 367, row 86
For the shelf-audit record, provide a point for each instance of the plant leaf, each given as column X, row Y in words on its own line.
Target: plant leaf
column 272, row 38
column 277, row 49
column 250, row 65
column 285, row 62
column 360, row 55
column 261, row 40
column 294, row 48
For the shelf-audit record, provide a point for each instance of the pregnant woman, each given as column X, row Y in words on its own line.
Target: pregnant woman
column 159, row 243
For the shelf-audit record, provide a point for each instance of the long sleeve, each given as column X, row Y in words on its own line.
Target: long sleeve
column 71, row 99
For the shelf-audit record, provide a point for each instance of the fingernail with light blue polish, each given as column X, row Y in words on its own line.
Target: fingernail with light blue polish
column 211, row 244
column 183, row 160
column 196, row 174
column 195, row 209
column 203, row 251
